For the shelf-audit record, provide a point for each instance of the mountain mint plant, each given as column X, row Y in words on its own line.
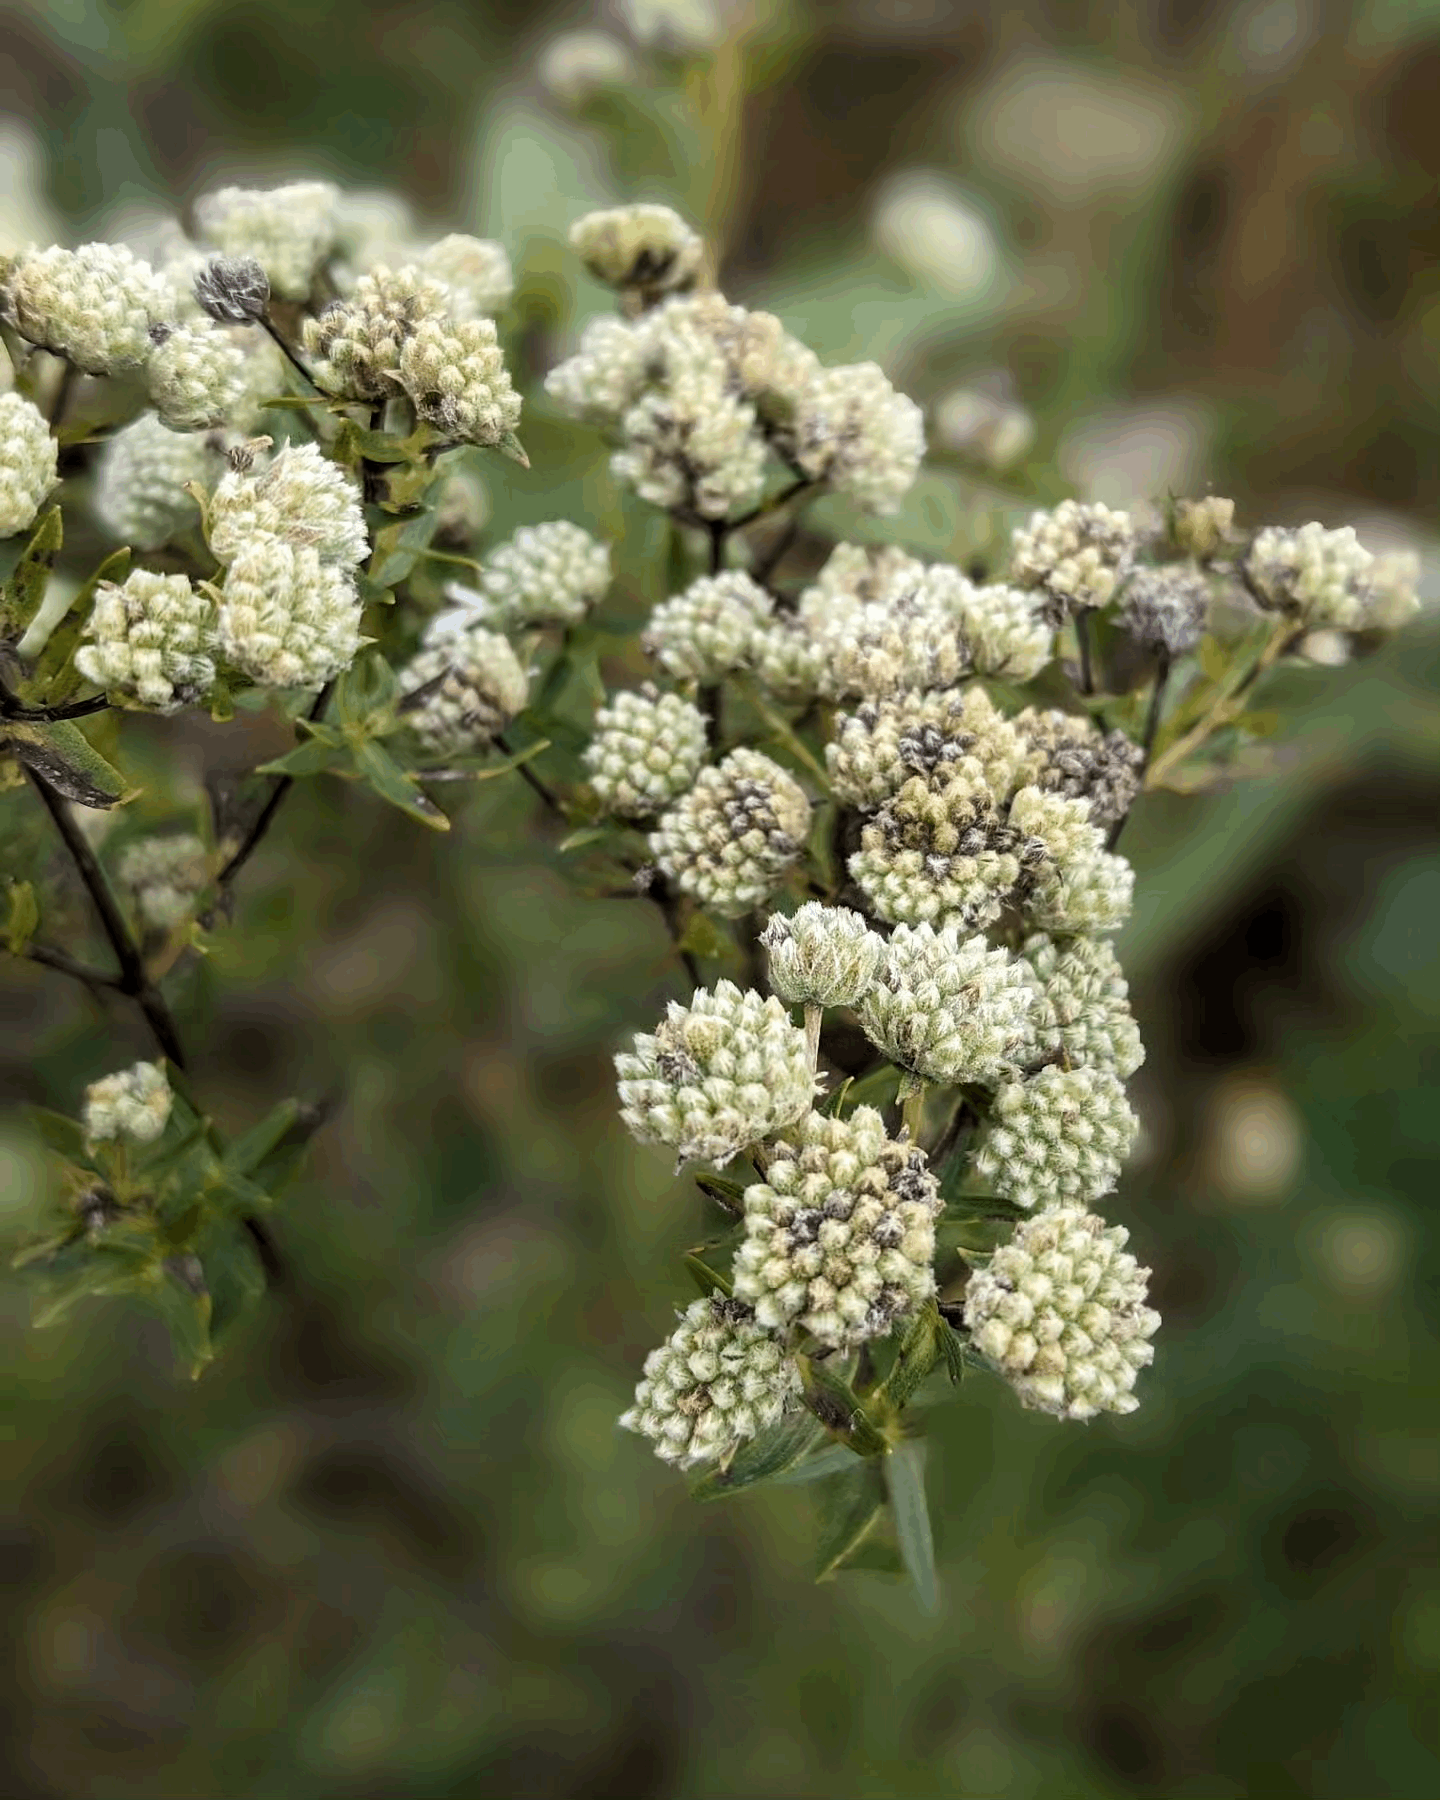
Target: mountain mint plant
column 876, row 800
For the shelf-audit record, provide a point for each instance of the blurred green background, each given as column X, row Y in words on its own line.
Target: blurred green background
column 393, row 1543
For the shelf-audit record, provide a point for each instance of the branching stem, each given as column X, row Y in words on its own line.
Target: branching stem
column 265, row 818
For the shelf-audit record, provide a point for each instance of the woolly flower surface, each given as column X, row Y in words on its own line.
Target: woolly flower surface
column 288, row 230
column 912, row 641
column 1061, row 1312
column 196, row 377
column 163, row 875
column 1078, row 554
column 133, row 1104
column 454, row 372
column 881, row 745
column 1202, row 526
column 467, row 684
column 354, row 346
column 287, row 619
column 575, row 65
column 948, row 1007
column 650, row 248
column 548, row 574
column 1082, row 1006
column 647, row 750
column 724, row 1072
column 718, row 1379
column 1007, row 635
column 28, row 463
column 232, row 290
column 476, row 272
column 841, row 1233
column 140, row 479
column 1323, row 577
column 1059, row 1136
column 730, row 840
column 822, row 956
column 710, row 629
column 1092, row 893
column 96, row 306
column 1071, row 756
column 1165, row 609
column 1394, row 596
column 150, row 640
column 856, row 433
column 300, row 497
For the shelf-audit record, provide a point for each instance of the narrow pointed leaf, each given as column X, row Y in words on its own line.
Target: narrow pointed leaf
column 24, row 592
column 830, row 1459
column 250, row 1149
column 952, row 1347
column 22, row 916
column 709, row 1280
column 764, row 1458
column 850, row 1504
column 905, row 1479
column 60, row 753
column 918, row 1354
column 837, row 1406
column 391, row 783
column 313, row 757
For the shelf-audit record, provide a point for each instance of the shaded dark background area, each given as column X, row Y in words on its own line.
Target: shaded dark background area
column 393, row 1543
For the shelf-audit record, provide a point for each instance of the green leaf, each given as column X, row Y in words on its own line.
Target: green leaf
column 399, row 546
column 905, row 1479
column 391, row 783
column 918, row 1354
column 952, row 1348
column 875, row 1554
column 849, row 1507
column 837, row 1406
column 234, row 1276
column 22, row 917
column 705, row 939
column 584, row 838
column 831, row 1459
column 511, row 446
column 185, row 1308
column 723, row 1192
column 57, row 1132
column 366, row 693
column 64, row 757
column 488, row 771
column 24, row 593
column 764, row 1458
column 313, row 757
column 878, row 1088
column 707, row 1279
column 248, row 1151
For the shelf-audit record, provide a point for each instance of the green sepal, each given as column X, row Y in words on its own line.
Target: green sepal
column 905, row 1479
column 22, row 918
column 850, row 1504
column 24, row 593
column 952, row 1348
column 765, row 1458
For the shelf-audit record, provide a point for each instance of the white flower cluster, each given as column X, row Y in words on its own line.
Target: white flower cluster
column 880, row 746
column 729, row 841
column 454, row 373
column 28, row 463
column 647, row 249
column 1094, row 893
column 463, row 686
column 699, row 391
column 163, row 875
column 840, row 1235
column 549, row 574
column 1166, row 608
column 289, row 231
column 1201, row 527
column 725, row 1072
column 141, row 478
column 822, row 956
column 648, row 749
column 196, row 375
column 96, row 306
column 1061, row 1312
column 1071, row 756
column 133, row 1104
column 476, row 273
column 1077, row 555
column 947, row 1007
column 1322, row 577
column 710, row 629
column 718, row 1379
column 1082, row 1007
column 354, row 346
column 291, row 534
column 1059, row 1136
column 150, row 640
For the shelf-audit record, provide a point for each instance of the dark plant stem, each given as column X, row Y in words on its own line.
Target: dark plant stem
column 12, row 708
column 277, row 337
column 62, row 395
column 133, row 979
column 777, row 552
column 57, row 959
column 280, row 787
column 718, row 531
column 1082, row 640
column 1147, row 742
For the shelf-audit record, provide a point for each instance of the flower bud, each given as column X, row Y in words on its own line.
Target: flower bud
column 822, row 956
column 28, row 463
column 163, row 875
column 1321, row 577
column 730, row 840
column 1165, row 609
column 287, row 618
column 95, row 306
column 1201, row 527
column 455, row 375
column 1078, row 555
column 140, row 481
column 288, row 230
column 1059, row 1136
column 195, row 375
column 710, row 629
column 948, row 1008
column 133, row 1104
column 465, row 685
column 646, row 248
column 150, row 640
column 233, row 290
column 647, row 750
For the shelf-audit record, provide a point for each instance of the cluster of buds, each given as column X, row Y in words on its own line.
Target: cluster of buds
column 132, row 1106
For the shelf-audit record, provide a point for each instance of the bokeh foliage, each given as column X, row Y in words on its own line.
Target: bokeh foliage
column 393, row 1541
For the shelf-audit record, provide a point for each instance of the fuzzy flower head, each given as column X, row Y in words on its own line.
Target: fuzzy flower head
column 718, row 1379
column 1093, row 892
column 299, row 497
column 710, row 629
column 648, row 250
column 880, row 746
column 1078, row 555
column 1060, row 1136
column 718, row 1075
column 28, row 463
column 841, row 1233
column 1394, row 590
column 1322, row 577
column 1061, row 1312
column 647, row 750
column 1201, row 527
column 95, row 306
column 150, row 641
column 1165, row 609
column 162, row 876
column 574, row 66
column 288, row 230
column 195, row 375
column 1070, row 756
column 910, row 641
column 354, row 346
column 232, row 290
column 287, row 619
column 548, row 574
column 465, row 685
column 730, row 840
column 986, row 428
column 1008, row 635
column 1082, row 1005
column 133, row 1105
column 947, row 1007
column 476, row 273
column 455, row 374
column 141, row 477
column 822, row 956
column 856, row 433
